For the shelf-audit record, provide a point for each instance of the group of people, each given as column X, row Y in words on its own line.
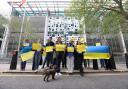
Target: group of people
column 64, row 56
column 70, row 55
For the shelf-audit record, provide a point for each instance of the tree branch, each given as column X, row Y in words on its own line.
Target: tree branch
column 121, row 1
column 112, row 10
column 121, row 6
column 117, row 1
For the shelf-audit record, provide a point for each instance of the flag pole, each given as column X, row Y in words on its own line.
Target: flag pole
column 21, row 31
column 22, row 24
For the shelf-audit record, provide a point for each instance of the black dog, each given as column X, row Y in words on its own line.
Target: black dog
column 51, row 70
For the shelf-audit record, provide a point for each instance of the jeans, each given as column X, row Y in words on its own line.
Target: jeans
column 70, row 63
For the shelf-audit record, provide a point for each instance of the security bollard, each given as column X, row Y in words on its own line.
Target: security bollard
column 13, row 64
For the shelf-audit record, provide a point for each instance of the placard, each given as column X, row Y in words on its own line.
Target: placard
column 36, row 46
column 70, row 49
column 49, row 48
column 60, row 47
column 80, row 48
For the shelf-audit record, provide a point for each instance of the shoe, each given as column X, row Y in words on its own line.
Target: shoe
column 59, row 74
column 106, row 69
column 56, row 74
column 36, row 70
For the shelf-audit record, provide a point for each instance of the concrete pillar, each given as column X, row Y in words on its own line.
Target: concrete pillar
column 122, row 42
column 124, row 47
column 46, row 30
column 4, row 42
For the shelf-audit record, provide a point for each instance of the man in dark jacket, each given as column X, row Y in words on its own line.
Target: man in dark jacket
column 49, row 55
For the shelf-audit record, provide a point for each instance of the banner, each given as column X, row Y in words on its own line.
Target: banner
column 49, row 48
column 97, row 52
column 98, row 49
column 27, row 56
column 70, row 49
column 80, row 48
column 96, row 55
column 60, row 47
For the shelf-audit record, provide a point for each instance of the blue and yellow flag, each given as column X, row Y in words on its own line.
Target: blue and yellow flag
column 97, row 52
column 26, row 56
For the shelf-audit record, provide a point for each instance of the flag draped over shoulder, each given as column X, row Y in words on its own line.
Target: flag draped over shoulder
column 97, row 52
column 26, row 53
column 22, row 2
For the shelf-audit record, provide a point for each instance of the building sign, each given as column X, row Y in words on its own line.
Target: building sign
column 64, row 27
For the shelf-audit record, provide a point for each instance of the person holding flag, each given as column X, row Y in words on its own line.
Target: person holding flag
column 25, row 48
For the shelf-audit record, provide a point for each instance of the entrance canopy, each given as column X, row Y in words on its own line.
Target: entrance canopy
column 46, row 7
column 41, row 7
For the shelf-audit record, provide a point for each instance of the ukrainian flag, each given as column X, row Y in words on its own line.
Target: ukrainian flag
column 97, row 52
column 26, row 53
column 27, row 56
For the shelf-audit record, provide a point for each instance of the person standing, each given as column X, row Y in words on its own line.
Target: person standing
column 59, row 56
column 102, row 63
column 37, row 47
column 80, row 56
column 76, row 65
column 70, row 56
column 49, row 53
column 24, row 48
column 43, row 54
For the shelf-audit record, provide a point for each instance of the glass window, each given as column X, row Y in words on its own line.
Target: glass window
column 2, row 32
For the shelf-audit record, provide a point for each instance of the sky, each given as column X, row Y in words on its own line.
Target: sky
column 5, row 9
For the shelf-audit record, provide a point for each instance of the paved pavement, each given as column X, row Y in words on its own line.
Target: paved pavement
column 5, row 68
column 89, row 81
